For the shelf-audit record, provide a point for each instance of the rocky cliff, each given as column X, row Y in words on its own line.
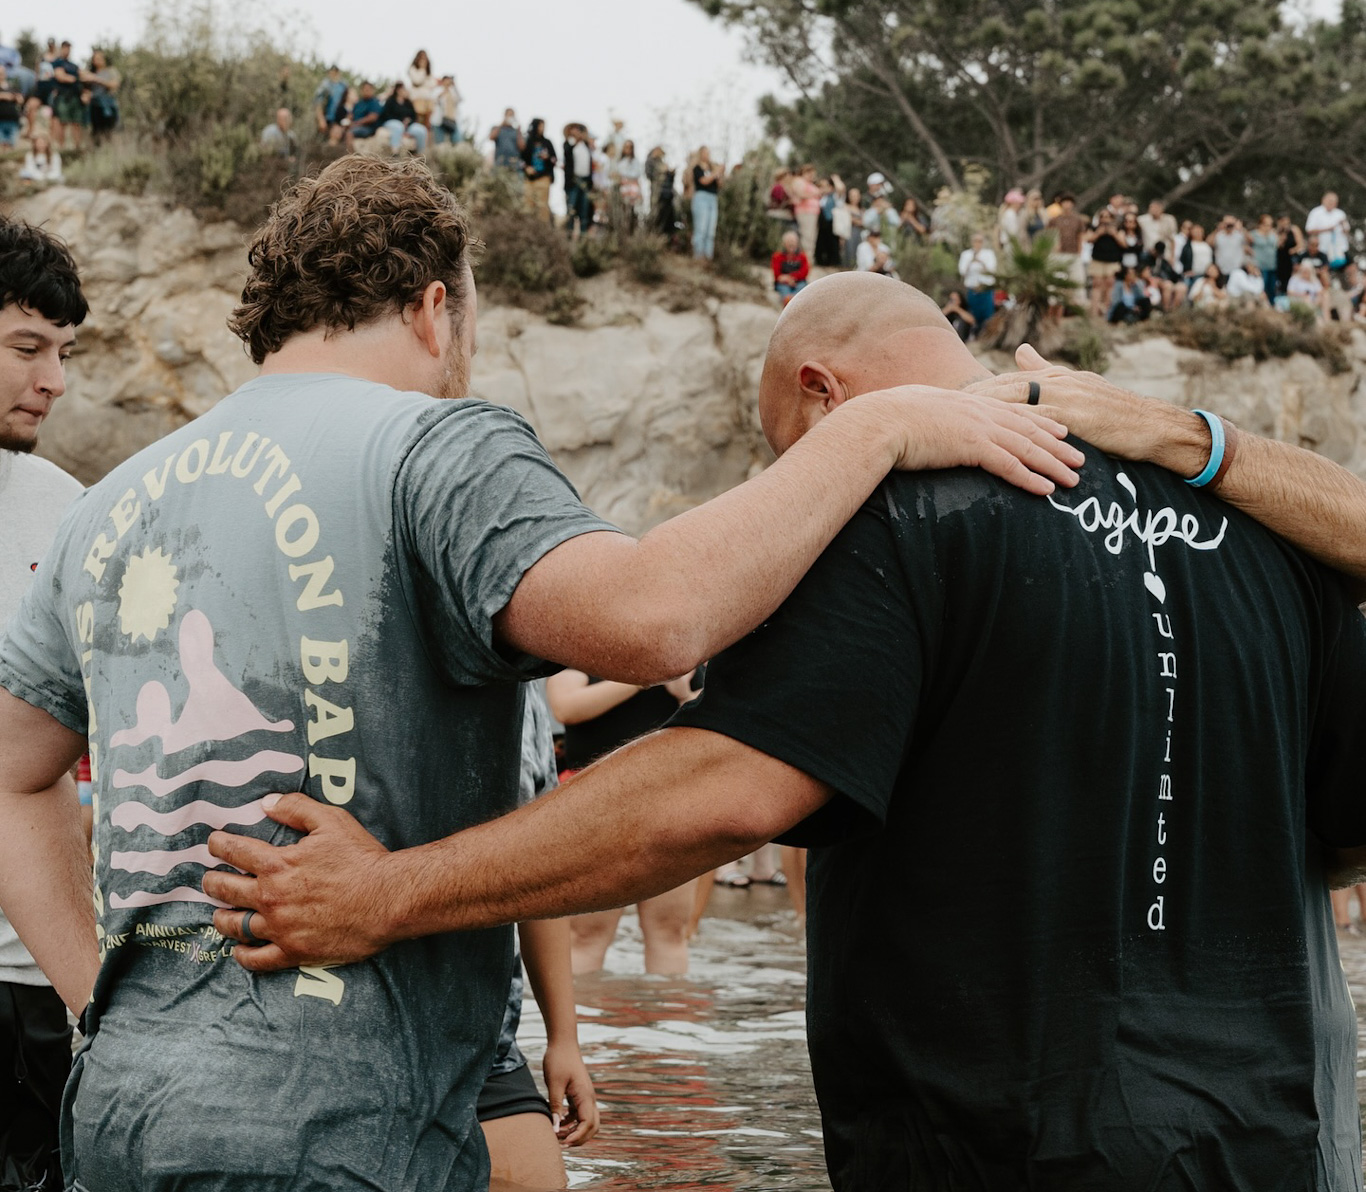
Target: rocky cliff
column 649, row 410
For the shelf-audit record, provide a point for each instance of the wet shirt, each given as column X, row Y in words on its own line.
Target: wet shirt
column 1067, row 922
column 294, row 592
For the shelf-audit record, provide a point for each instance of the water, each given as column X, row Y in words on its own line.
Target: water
column 703, row 1081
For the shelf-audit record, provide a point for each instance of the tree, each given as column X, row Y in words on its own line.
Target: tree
column 1173, row 97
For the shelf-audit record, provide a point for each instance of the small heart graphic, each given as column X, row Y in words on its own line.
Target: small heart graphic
column 1155, row 585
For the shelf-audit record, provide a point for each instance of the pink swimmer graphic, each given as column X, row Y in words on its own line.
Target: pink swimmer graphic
column 214, row 711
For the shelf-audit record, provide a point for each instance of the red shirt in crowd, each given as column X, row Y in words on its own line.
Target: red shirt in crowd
column 795, row 265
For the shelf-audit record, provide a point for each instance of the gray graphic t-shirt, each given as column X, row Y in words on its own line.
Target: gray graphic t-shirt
column 294, row 592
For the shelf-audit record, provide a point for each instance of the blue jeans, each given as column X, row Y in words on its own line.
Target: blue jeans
column 579, row 205
column 786, row 291
column 1269, row 285
column 417, row 131
column 446, row 136
column 982, row 303
column 9, row 132
column 703, row 224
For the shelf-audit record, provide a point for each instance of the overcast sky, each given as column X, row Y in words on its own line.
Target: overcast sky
column 668, row 70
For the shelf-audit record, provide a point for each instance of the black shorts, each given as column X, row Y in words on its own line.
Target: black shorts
column 35, row 1060
column 506, row 1094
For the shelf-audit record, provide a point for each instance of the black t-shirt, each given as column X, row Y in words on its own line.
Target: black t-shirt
column 698, row 172
column 1106, row 249
column 71, row 68
column 1317, row 259
column 539, row 157
column 10, row 105
column 397, row 109
column 1069, row 929
column 584, row 743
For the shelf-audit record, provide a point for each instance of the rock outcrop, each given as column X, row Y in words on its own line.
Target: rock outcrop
column 649, row 410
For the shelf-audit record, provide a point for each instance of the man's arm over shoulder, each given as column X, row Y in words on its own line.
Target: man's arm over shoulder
column 1311, row 502
column 818, row 702
column 646, row 611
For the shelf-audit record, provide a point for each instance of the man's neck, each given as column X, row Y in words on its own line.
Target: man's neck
column 367, row 355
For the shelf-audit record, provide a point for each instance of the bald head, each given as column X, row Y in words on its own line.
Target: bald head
column 853, row 333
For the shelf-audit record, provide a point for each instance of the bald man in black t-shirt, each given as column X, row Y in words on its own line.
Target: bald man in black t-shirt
column 1115, row 711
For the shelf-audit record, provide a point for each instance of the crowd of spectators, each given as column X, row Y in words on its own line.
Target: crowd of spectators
column 56, row 106
column 1120, row 264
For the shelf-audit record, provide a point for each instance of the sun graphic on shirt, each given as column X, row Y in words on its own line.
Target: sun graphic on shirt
column 147, row 595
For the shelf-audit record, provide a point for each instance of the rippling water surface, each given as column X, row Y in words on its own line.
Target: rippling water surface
column 703, row 1081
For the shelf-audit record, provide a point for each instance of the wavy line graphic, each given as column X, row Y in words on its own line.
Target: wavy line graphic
column 199, row 814
column 162, row 861
column 147, row 898
column 222, row 773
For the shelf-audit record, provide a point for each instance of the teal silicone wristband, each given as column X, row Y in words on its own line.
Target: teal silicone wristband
column 1216, row 450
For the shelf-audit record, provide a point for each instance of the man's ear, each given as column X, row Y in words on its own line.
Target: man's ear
column 429, row 318
column 819, row 384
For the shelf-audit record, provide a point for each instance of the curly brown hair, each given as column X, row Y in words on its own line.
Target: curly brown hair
column 358, row 242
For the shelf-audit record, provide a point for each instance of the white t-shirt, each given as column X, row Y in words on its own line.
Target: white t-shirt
column 977, row 269
column 1202, row 257
column 1242, row 285
column 1331, row 227
column 1304, row 287
column 1230, row 251
column 34, row 494
column 865, row 256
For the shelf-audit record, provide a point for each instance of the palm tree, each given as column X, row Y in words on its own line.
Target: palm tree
column 1043, row 292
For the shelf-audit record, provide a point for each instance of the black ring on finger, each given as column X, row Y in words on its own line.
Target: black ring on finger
column 249, row 936
column 1034, row 393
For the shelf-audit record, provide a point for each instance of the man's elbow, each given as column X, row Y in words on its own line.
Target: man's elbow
column 657, row 651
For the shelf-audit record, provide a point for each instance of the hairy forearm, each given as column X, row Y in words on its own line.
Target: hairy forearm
column 644, row 820
column 546, row 952
column 1308, row 500
column 690, row 587
column 745, row 551
column 45, row 886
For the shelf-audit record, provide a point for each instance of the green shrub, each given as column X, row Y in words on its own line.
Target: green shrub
column 733, row 263
column 643, row 256
column 456, row 166
column 522, row 256
column 127, row 165
column 221, row 155
column 933, row 270
column 489, row 192
column 591, row 255
column 1237, row 330
column 743, row 226
column 1084, row 344
column 564, row 307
